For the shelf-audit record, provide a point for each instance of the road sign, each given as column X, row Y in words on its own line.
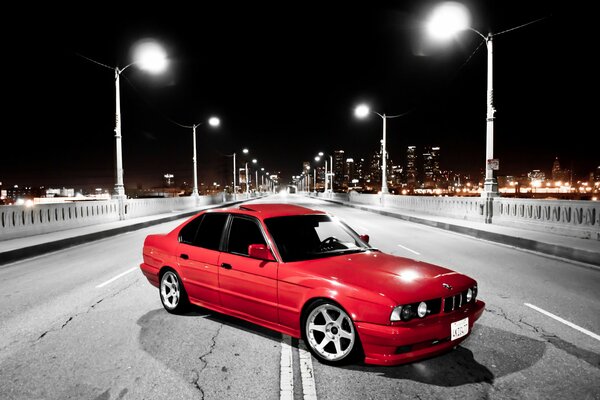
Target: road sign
column 493, row 164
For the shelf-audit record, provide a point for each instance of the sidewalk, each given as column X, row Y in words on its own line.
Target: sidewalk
column 21, row 248
column 575, row 249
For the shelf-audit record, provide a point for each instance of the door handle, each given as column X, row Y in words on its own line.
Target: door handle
column 184, row 256
column 226, row 266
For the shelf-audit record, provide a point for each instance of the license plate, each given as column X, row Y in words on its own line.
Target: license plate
column 459, row 329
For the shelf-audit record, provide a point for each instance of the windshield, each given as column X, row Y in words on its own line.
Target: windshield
column 305, row 237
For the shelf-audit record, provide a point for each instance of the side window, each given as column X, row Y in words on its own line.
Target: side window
column 243, row 233
column 211, row 230
column 187, row 234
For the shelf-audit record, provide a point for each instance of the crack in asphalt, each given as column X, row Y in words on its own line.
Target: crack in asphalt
column 501, row 313
column 535, row 328
column 521, row 324
column 86, row 311
column 213, row 340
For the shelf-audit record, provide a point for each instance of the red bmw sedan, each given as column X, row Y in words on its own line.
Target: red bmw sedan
column 307, row 274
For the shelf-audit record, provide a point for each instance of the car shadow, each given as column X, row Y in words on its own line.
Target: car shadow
column 156, row 318
column 488, row 354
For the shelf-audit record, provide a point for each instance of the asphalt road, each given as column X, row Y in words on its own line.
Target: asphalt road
column 70, row 330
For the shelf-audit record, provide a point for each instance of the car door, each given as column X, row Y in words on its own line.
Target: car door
column 248, row 286
column 198, row 257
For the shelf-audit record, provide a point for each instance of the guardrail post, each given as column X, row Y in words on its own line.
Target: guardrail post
column 488, row 209
column 122, row 205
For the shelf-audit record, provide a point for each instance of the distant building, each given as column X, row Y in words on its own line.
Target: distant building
column 536, row 175
column 431, row 166
column 349, row 173
column 396, row 177
column 359, row 170
column 375, row 170
column 558, row 174
column 63, row 192
column 411, row 166
column 22, row 192
column 338, row 169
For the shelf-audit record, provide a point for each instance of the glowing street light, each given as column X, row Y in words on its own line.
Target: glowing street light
column 212, row 121
column 362, row 111
column 445, row 21
column 149, row 56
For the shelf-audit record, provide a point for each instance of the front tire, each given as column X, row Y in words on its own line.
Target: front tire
column 330, row 333
column 172, row 293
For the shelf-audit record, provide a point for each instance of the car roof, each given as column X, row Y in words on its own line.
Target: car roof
column 269, row 210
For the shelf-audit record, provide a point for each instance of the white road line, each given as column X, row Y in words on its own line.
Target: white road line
column 116, row 277
column 307, row 372
column 362, row 228
column 286, row 386
column 564, row 321
column 406, row 248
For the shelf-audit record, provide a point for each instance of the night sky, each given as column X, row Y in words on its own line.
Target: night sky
column 284, row 77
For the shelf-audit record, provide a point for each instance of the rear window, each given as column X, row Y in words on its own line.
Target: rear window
column 204, row 231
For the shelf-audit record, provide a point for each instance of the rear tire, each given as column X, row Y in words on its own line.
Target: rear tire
column 172, row 293
column 329, row 333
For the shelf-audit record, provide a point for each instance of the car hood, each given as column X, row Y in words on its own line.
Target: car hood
column 401, row 279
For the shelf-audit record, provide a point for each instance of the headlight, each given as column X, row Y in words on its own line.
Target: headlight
column 422, row 309
column 469, row 295
column 407, row 313
column 402, row 313
column 396, row 314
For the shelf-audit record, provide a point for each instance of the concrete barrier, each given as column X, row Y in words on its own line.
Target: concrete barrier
column 573, row 218
column 22, row 221
column 567, row 217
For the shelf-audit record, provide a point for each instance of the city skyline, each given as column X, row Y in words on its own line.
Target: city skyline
column 284, row 102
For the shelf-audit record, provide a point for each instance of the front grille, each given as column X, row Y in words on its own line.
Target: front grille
column 455, row 302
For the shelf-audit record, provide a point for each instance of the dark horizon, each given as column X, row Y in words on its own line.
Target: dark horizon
column 284, row 82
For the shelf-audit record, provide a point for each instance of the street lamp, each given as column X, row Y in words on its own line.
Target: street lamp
column 446, row 20
column 149, row 56
column 362, row 111
column 212, row 121
column 254, row 161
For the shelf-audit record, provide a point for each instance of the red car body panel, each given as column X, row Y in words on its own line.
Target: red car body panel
column 274, row 294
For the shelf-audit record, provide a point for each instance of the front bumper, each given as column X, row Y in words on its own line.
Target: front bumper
column 416, row 339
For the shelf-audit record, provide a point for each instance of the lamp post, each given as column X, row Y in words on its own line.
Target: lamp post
column 254, row 161
column 446, row 20
column 149, row 56
column 245, row 151
column 214, row 122
column 361, row 111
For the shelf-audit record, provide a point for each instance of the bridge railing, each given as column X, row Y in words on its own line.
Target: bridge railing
column 21, row 221
column 577, row 218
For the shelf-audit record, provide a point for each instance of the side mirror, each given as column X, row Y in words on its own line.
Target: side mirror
column 365, row 238
column 260, row 251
